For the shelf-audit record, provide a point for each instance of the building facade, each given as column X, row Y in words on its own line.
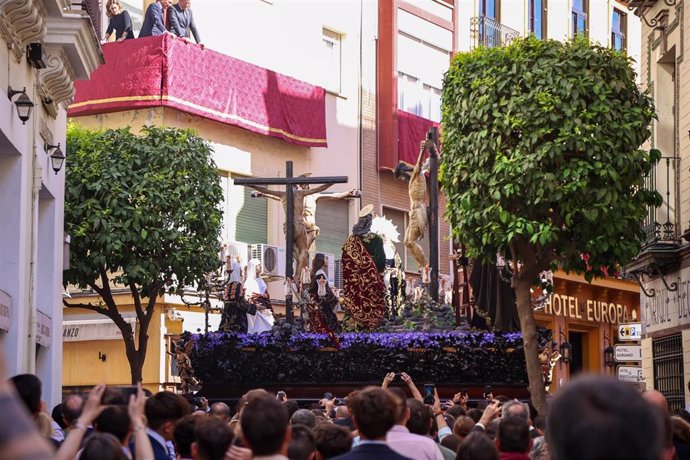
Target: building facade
column 45, row 45
column 663, row 267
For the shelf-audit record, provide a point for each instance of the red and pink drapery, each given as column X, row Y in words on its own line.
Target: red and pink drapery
column 169, row 72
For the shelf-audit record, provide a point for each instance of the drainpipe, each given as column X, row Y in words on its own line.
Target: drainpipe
column 33, row 234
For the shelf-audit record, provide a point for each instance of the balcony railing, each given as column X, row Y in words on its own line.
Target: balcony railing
column 490, row 33
column 660, row 225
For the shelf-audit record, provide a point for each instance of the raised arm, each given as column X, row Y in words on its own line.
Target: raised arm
column 268, row 193
column 318, row 189
column 354, row 193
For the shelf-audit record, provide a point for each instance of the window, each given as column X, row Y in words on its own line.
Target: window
column 332, row 67
column 668, row 369
column 580, row 8
column 489, row 9
column 332, row 220
column 618, row 29
column 244, row 217
column 419, row 98
column 537, row 18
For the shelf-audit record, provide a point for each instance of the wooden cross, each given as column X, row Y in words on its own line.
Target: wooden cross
column 290, row 182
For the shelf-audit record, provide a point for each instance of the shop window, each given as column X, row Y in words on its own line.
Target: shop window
column 668, row 370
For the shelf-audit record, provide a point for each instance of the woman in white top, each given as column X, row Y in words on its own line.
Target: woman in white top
column 256, row 291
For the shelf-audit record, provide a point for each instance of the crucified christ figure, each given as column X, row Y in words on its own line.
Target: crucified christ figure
column 306, row 230
column 418, row 217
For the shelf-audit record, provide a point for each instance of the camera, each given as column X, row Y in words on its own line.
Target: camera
column 118, row 396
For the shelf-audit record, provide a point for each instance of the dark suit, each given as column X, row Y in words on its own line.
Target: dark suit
column 371, row 452
column 182, row 21
column 153, row 21
column 159, row 451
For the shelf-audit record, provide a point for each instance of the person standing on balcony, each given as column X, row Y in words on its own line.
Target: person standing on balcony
column 182, row 20
column 155, row 19
column 119, row 21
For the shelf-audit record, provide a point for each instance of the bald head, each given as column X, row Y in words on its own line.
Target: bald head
column 657, row 399
column 221, row 410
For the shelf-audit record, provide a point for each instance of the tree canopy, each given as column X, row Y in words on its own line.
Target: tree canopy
column 542, row 159
column 142, row 211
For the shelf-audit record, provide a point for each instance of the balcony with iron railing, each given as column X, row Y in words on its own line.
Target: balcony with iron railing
column 661, row 249
column 490, row 33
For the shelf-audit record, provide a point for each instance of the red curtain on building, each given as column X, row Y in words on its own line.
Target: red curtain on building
column 412, row 131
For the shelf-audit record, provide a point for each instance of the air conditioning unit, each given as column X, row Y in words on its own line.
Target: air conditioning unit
column 272, row 259
column 237, row 249
column 330, row 266
column 338, row 273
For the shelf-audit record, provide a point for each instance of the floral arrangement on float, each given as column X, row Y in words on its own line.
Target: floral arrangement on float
column 288, row 356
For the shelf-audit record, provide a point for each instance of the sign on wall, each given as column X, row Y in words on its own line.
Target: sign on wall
column 630, row 374
column 627, row 353
column 666, row 309
column 43, row 329
column 94, row 329
column 629, row 332
column 5, row 309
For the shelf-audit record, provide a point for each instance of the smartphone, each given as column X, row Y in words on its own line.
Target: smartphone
column 428, row 393
column 464, row 392
column 118, row 396
column 488, row 390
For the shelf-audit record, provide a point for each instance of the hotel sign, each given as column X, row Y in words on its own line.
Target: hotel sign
column 599, row 311
column 630, row 374
column 666, row 309
column 627, row 353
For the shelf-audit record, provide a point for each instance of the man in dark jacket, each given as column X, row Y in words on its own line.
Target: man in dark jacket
column 374, row 412
column 182, row 20
column 154, row 20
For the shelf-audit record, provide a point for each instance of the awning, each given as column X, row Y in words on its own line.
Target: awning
column 167, row 71
column 44, row 329
column 5, row 309
column 92, row 329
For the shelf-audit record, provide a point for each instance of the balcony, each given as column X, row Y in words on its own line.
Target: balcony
column 661, row 250
column 490, row 33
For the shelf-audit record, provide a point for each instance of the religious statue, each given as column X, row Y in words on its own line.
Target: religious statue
column 363, row 261
column 235, row 309
column 304, row 210
column 256, row 292
column 322, row 302
column 548, row 357
column 418, row 217
column 180, row 351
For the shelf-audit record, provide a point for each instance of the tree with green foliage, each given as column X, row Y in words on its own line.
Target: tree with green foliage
column 542, row 163
column 142, row 212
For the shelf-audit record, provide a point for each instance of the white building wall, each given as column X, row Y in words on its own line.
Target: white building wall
column 31, row 194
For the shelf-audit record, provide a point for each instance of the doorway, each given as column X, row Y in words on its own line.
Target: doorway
column 577, row 355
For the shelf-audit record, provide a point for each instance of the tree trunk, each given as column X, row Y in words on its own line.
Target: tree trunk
column 528, row 326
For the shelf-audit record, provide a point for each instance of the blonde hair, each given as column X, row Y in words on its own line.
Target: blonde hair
column 109, row 4
column 43, row 424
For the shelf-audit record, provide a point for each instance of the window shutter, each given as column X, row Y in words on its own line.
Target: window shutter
column 332, row 219
column 251, row 224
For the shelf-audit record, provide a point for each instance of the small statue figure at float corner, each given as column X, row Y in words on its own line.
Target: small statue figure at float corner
column 185, row 370
column 322, row 302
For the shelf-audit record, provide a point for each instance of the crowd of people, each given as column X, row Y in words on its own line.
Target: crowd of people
column 591, row 417
column 161, row 17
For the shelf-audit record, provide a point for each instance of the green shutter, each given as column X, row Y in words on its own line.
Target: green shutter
column 252, row 218
column 332, row 219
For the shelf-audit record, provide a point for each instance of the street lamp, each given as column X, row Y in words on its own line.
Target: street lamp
column 57, row 158
column 23, row 103
column 609, row 359
column 565, row 348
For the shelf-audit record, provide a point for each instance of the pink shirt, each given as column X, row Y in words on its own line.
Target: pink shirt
column 412, row 445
